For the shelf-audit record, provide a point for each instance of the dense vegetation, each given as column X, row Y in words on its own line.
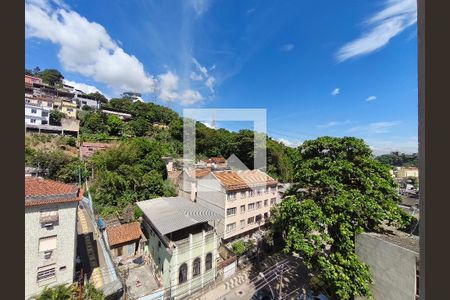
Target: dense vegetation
column 341, row 191
column 397, row 159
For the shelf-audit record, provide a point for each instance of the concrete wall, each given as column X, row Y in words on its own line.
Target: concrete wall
column 64, row 254
column 393, row 268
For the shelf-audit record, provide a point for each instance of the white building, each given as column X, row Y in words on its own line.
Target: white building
column 36, row 114
column 50, row 233
column 243, row 198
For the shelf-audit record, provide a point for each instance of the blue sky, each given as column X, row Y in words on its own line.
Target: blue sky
column 318, row 67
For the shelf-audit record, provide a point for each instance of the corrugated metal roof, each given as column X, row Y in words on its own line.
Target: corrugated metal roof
column 169, row 214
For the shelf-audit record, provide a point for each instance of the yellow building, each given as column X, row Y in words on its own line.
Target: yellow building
column 408, row 172
column 68, row 108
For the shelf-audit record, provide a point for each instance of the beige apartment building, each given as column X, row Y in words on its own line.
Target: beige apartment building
column 243, row 198
column 408, row 172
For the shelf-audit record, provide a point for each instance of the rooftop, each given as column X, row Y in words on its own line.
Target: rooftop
column 123, row 233
column 216, row 160
column 199, row 172
column 39, row 191
column 169, row 214
column 401, row 239
column 236, row 180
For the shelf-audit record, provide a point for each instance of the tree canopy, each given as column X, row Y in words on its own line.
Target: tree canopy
column 397, row 159
column 99, row 97
column 50, row 76
column 340, row 191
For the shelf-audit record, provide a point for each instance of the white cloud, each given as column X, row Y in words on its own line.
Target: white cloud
column 335, row 92
column 169, row 90
column 386, row 24
column 250, row 11
column 334, row 124
column 200, row 6
column 195, row 76
column 377, row 127
column 86, row 47
column 287, row 47
column 405, row 145
column 82, row 86
column 204, row 75
column 289, row 143
column 371, row 98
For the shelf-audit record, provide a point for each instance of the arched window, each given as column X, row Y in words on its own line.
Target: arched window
column 182, row 277
column 208, row 261
column 196, row 267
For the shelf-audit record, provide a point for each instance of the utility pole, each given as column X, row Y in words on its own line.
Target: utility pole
column 280, row 285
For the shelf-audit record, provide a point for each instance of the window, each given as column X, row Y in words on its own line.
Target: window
column 45, row 113
column 252, row 193
column 258, row 218
column 242, row 209
column 232, row 196
column 44, row 122
column 243, row 194
column 196, row 267
column 251, row 220
column 259, row 192
column 69, row 110
column 208, row 261
column 33, row 111
column 242, row 223
column 182, row 276
column 258, row 204
column 159, row 244
column 49, row 104
column 33, row 120
column 27, row 101
column 266, row 190
column 49, row 216
column 231, row 227
column 266, row 215
column 272, row 189
column 47, row 243
column 46, row 272
column 231, row 211
column 266, row 202
column 272, row 201
column 251, row 206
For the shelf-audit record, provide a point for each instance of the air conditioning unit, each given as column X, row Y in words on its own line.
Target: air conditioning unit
column 48, row 254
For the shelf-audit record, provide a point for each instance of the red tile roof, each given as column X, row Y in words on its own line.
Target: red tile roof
column 199, row 172
column 123, row 233
column 236, row 180
column 216, row 160
column 39, row 191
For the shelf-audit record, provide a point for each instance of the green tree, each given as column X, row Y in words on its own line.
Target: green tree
column 92, row 293
column 55, row 117
column 115, row 125
column 343, row 192
column 93, row 122
column 60, row 292
column 99, row 97
column 51, row 76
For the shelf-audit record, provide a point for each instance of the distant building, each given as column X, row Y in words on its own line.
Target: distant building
column 393, row 260
column 408, row 172
column 243, row 198
column 135, row 97
column 216, row 162
column 84, row 100
column 183, row 245
column 29, row 80
column 125, row 240
column 187, row 185
column 121, row 115
column 68, row 108
column 50, row 233
column 88, row 149
column 36, row 115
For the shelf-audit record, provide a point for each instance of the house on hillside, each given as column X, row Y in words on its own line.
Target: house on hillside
column 50, row 233
column 36, row 114
column 243, row 198
column 408, row 172
column 216, row 162
column 184, row 247
column 187, row 185
column 125, row 240
column 88, row 149
column 122, row 115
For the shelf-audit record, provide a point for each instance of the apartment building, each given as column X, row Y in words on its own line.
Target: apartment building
column 243, row 198
column 40, row 101
column 183, row 246
column 50, row 233
column 408, row 172
column 36, row 115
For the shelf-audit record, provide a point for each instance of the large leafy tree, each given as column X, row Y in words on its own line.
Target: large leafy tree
column 341, row 191
column 51, row 76
column 60, row 292
column 55, row 117
column 99, row 97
